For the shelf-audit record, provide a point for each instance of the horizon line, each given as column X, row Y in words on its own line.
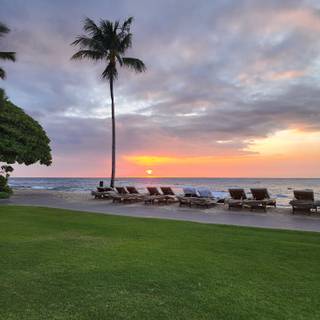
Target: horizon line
column 158, row 177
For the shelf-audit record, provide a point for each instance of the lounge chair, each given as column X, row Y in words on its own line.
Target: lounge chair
column 153, row 191
column 104, row 189
column 205, row 192
column 122, row 190
column 135, row 191
column 192, row 197
column 304, row 200
column 237, row 195
column 132, row 190
column 155, row 196
column 167, row 191
column 102, row 193
column 190, row 192
column 197, row 202
column 260, row 199
column 123, row 196
column 170, row 196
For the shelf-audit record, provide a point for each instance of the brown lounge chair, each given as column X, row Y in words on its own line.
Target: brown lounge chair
column 122, row 190
column 304, row 200
column 132, row 190
column 260, row 199
column 135, row 192
column 102, row 193
column 153, row 191
column 237, row 196
column 155, row 197
column 169, row 193
column 123, row 196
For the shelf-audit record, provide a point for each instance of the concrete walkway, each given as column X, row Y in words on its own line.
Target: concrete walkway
column 274, row 218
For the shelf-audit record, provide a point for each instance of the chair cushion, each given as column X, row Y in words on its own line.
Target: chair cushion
column 205, row 192
column 190, row 192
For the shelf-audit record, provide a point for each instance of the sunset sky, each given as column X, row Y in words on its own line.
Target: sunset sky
column 232, row 87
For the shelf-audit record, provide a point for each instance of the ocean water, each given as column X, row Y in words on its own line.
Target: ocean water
column 279, row 188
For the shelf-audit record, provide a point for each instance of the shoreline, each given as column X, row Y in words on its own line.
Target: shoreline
column 281, row 189
column 275, row 218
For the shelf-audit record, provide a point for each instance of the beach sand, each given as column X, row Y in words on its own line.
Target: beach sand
column 281, row 218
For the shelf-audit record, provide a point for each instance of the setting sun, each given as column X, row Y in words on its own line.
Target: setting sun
column 149, row 172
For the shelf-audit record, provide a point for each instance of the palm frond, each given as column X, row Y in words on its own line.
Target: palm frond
column 135, row 64
column 90, row 27
column 125, row 42
column 2, row 74
column 3, row 29
column 106, row 27
column 87, row 54
column 110, row 72
column 119, row 59
column 89, row 43
column 116, row 26
column 126, row 25
column 8, row 56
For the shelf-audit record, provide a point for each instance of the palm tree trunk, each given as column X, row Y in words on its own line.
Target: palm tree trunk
column 113, row 170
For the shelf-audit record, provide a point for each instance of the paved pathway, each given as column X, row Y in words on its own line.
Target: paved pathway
column 218, row 215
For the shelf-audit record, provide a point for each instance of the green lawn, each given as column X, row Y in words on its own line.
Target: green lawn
column 57, row 264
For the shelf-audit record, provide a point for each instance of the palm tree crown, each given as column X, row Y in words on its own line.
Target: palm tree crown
column 108, row 42
column 5, row 55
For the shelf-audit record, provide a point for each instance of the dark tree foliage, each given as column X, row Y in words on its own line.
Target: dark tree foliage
column 22, row 139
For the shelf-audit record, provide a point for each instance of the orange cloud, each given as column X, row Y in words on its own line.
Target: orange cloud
column 285, row 153
column 303, row 18
column 145, row 160
column 286, row 75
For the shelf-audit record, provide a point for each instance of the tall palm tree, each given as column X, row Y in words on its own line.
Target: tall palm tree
column 5, row 55
column 108, row 42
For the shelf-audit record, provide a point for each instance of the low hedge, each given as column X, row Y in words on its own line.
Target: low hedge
column 4, row 195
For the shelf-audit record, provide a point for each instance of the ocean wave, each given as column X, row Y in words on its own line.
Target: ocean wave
column 41, row 188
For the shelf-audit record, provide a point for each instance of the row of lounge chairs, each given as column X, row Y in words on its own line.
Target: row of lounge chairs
column 303, row 200
column 153, row 196
column 131, row 194
column 260, row 199
column 203, row 197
